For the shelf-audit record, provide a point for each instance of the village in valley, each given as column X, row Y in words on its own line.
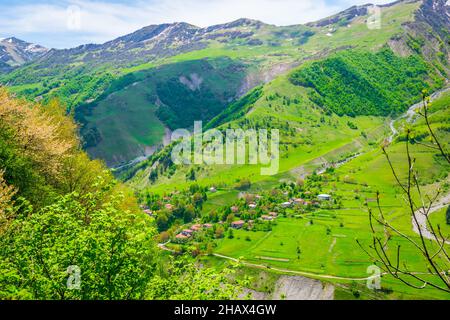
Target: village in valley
column 185, row 225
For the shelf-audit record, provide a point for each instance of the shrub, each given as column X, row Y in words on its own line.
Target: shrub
column 244, row 184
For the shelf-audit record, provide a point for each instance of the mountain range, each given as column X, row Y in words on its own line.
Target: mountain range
column 129, row 93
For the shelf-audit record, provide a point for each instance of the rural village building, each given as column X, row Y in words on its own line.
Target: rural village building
column 187, row 232
column 234, row 209
column 181, row 236
column 324, row 197
column 286, row 204
column 237, row 224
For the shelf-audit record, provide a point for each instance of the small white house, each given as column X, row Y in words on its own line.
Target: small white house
column 286, row 204
column 324, row 197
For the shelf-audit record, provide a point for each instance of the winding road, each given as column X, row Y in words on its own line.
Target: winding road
column 300, row 273
column 443, row 202
column 422, row 221
column 409, row 115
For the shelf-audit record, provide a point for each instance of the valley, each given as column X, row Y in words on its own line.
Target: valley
column 326, row 237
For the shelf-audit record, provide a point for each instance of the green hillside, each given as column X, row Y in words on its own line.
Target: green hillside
column 390, row 84
column 309, row 125
column 258, row 53
column 130, row 119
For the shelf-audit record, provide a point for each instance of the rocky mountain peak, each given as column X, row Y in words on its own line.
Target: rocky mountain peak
column 15, row 52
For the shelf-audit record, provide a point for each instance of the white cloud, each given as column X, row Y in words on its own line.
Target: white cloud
column 102, row 21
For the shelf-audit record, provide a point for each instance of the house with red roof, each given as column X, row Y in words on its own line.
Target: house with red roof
column 181, row 237
column 187, row 232
column 237, row 224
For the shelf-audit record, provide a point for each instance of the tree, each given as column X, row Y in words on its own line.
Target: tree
column 153, row 175
column 41, row 134
column 188, row 214
column 182, row 279
column 243, row 184
column 162, row 221
column 164, row 236
column 191, row 175
column 113, row 249
column 78, row 172
column 197, row 199
column 219, row 232
column 209, row 249
column 433, row 253
column 6, row 200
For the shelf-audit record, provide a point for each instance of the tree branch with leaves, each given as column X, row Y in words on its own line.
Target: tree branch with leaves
column 431, row 245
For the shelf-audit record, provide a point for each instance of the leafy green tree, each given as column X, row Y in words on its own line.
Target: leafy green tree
column 153, row 176
column 354, row 82
column 184, row 280
column 113, row 249
column 197, row 199
column 191, row 175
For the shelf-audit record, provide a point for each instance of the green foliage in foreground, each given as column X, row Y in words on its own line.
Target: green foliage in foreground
column 188, row 282
column 61, row 212
column 113, row 249
column 364, row 83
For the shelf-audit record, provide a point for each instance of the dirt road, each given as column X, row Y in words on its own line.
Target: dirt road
column 422, row 218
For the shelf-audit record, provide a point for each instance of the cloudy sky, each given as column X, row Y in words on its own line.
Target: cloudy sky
column 68, row 23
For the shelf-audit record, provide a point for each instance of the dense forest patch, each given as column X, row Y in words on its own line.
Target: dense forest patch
column 364, row 83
